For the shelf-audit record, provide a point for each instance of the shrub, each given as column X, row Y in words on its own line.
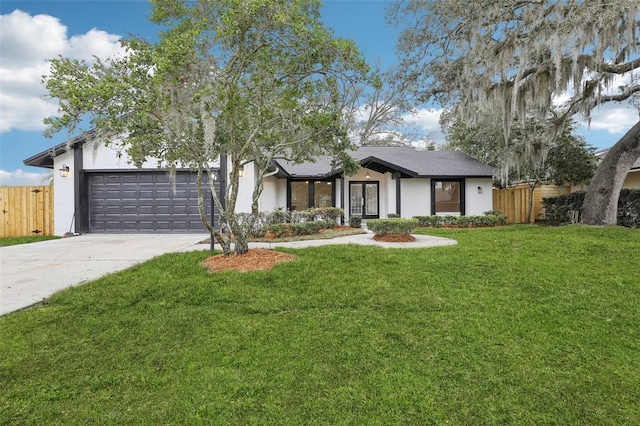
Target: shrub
column 428, row 221
column 355, row 221
column 280, row 230
column 330, row 214
column 629, row 208
column 461, row 221
column 502, row 219
column 558, row 209
column 393, row 216
column 278, row 216
column 307, row 228
column 392, row 226
column 299, row 216
column 259, row 226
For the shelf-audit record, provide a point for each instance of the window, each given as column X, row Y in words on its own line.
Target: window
column 299, row 195
column 322, row 194
column 447, row 197
column 308, row 194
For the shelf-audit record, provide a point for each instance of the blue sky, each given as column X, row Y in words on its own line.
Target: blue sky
column 33, row 31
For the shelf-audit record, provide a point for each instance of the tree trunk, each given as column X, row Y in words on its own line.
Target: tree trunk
column 600, row 205
column 242, row 243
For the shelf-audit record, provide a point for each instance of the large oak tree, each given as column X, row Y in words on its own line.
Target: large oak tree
column 520, row 57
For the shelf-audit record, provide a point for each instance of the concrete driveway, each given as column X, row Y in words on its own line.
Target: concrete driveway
column 31, row 272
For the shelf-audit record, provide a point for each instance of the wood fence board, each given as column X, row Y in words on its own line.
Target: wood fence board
column 26, row 210
column 514, row 201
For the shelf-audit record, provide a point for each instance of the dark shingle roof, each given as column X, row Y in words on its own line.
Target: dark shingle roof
column 409, row 161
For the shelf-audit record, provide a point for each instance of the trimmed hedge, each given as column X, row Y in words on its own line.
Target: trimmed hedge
column 281, row 230
column 392, row 226
column 298, row 216
column 558, row 210
column 461, row 221
column 355, row 221
column 266, row 222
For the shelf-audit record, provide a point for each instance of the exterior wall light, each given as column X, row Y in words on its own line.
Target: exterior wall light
column 64, row 171
column 367, row 176
column 479, row 190
column 241, row 171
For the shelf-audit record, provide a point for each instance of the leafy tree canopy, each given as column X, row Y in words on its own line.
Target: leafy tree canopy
column 564, row 159
column 519, row 58
column 252, row 80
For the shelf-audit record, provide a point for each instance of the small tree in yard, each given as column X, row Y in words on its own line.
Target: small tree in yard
column 519, row 57
column 255, row 81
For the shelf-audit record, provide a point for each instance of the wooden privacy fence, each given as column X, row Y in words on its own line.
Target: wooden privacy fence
column 514, row 201
column 26, row 210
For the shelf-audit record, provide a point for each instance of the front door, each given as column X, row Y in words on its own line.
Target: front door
column 363, row 199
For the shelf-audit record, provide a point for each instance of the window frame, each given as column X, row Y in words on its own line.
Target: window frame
column 311, row 191
column 461, row 186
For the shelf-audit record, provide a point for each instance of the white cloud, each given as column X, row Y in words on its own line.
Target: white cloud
column 428, row 121
column 28, row 42
column 615, row 119
column 21, row 178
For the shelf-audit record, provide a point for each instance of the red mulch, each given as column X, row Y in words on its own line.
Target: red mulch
column 394, row 238
column 253, row 260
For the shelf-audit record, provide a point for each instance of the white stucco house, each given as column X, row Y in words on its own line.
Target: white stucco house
column 103, row 193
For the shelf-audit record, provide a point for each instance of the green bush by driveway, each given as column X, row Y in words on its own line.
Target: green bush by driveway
column 514, row 325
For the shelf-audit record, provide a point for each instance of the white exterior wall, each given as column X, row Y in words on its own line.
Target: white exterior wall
column 478, row 196
column 246, row 184
column 391, row 195
column 416, row 197
column 274, row 194
column 97, row 156
column 63, row 195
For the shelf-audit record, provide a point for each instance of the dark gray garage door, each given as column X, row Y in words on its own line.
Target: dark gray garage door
column 145, row 201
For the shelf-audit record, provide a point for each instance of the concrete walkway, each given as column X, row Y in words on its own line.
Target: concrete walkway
column 32, row 272
column 363, row 240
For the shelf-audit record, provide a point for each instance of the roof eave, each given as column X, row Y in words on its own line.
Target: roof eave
column 45, row 158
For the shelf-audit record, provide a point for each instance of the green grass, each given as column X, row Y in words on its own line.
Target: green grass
column 13, row 241
column 514, row 325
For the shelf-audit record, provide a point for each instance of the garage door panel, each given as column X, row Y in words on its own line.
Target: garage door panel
column 113, row 180
column 144, row 202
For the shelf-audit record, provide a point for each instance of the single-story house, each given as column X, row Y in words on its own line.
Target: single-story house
column 632, row 181
column 97, row 190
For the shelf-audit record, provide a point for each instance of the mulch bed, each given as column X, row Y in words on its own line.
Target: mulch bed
column 253, row 260
column 261, row 259
column 394, row 238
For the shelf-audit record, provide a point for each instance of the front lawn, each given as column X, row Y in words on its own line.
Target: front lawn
column 514, row 325
column 12, row 241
